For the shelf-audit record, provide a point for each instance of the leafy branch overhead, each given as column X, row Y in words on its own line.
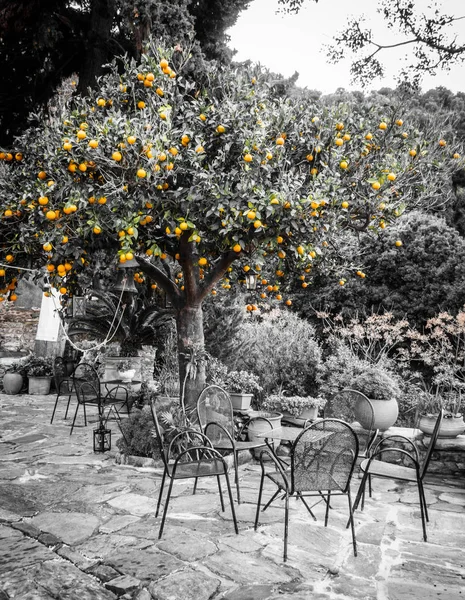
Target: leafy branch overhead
column 433, row 40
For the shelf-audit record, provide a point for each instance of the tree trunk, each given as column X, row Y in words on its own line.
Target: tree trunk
column 97, row 43
column 189, row 323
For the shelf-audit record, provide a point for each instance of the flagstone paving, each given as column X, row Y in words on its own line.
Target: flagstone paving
column 76, row 525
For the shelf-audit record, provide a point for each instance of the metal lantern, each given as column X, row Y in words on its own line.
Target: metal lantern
column 102, row 439
column 125, row 277
column 78, row 306
column 251, row 280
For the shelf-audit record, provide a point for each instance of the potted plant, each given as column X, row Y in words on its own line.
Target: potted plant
column 429, row 404
column 126, row 369
column 382, row 389
column 14, row 377
column 297, row 407
column 242, row 386
column 39, row 371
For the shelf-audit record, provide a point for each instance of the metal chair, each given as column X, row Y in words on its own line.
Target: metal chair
column 216, row 417
column 322, row 461
column 64, row 384
column 87, row 386
column 189, row 455
column 401, row 465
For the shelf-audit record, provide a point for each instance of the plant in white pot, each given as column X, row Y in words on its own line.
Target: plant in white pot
column 297, row 407
column 381, row 388
column 126, row 369
column 242, row 386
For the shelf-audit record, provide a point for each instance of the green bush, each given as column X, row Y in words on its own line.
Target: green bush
column 284, row 354
column 137, row 435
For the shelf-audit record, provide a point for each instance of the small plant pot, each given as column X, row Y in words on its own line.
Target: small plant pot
column 260, row 426
column 127, row 376
column 240, row 401
column 39, row 385
column 12, row 383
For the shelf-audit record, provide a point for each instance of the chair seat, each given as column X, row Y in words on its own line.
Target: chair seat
column 391, row 470
column 240, row 445
column 201, row 468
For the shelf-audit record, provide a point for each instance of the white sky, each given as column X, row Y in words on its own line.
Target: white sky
column 289, row 43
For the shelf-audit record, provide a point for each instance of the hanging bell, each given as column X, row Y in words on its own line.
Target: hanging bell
column 125, row 281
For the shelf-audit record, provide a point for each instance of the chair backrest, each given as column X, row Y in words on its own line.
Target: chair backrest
column 159, row 437
column 432, row 443
column 323, row 456
column 214, row 405
column 86, row 372
column 183, row 440
column 345, row 406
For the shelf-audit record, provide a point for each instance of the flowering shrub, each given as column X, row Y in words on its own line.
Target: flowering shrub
column 376, row 383
column 243, row 382
column 124, row 365
column 38, row 366
column 293, row 404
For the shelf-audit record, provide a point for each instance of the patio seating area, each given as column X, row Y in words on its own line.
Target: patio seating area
column 75, row 524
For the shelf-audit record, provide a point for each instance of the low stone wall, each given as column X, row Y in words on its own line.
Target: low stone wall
column 448, row 455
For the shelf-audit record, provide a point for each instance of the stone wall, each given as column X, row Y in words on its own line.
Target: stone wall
column 18, row 327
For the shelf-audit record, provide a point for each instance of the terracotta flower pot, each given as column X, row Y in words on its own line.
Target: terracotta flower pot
column 12, row 383
column 450, row 427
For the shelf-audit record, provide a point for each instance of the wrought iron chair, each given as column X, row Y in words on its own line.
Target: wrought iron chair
column 322, row 461
column 392, row 462
column 189, row 455
column 64, row 384
column 87, row 386
column 216, row 418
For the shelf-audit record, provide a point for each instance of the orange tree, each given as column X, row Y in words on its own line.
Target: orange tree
column 200, row 182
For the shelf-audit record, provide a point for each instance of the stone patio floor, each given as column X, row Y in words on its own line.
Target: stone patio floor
column 76, row 525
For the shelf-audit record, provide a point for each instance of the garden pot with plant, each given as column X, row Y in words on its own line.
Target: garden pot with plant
column 39, row 372
column 295, row 407
column 242, row 386
column 381, row 388
column 429, row 404
column 126, row 369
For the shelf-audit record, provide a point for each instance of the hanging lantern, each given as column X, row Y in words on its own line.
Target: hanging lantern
column 125, row 277
column 102, row 439
column 78, row 306
column 251, row 280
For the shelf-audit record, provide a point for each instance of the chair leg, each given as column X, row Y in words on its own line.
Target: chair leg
column 424, row 501
column 361, row 491
column 165, row 510
column 286, row 526
column 195, row 486
column 160, row 493
column 271, row 500
column 67, row 407
column 422, row 508
column 54, row 408
column 351, row 521
column 259, row 500
column 220, row 491
column 236, row 477
column 327, row 508
column 299, row 495
column 369, row 486
column 231, row 501
column 74, row 420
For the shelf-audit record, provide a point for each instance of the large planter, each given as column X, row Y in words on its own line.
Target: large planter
column 385, row 413
column 12, row 383
column 240, row 401
column 39, row 385
column 308, row 414
column 450, row 427
column 260, row 426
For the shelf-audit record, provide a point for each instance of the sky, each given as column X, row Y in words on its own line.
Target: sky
column 289, row 43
